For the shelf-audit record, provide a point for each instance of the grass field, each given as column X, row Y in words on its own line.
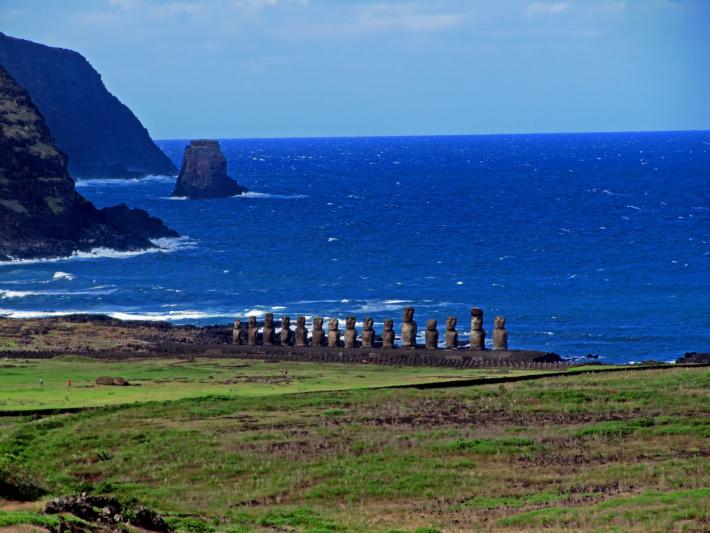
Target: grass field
column 173, row 379
column 624, row 451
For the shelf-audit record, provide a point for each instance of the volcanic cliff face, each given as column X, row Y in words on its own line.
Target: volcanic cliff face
column 204, row 173
column 100, row 135
column 41, row 215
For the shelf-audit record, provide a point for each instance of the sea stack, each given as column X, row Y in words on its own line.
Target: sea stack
column 204, row 173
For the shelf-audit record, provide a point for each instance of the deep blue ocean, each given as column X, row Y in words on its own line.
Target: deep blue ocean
column 587, row 243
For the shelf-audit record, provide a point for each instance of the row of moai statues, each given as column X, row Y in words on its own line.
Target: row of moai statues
column 250, row 335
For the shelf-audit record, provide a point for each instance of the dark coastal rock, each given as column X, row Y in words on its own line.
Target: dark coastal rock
column 695, row 358
column 41, row 214
column 136, row 222
column 204, row 173
column 99, row 134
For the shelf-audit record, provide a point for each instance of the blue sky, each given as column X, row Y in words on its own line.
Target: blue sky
column 283, row 68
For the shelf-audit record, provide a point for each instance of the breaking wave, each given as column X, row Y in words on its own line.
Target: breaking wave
column 265, row 195
column 120, row 315
column 119, row 182
column 163, row 245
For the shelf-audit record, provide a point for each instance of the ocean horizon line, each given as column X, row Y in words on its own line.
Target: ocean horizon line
column 435, row 135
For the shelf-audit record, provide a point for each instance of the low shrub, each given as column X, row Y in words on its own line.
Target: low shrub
column 17, row 482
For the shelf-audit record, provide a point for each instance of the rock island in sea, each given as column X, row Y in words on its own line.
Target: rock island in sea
column 204, row 173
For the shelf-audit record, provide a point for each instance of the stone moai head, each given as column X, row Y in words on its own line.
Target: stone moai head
column 476, row 318
column 367, row 324
column 350, row 322
column 285, row 322
column 237, row 324
column 408, row 314
column 269, row 320
column 431, row 325
column 389, row 324
column 451, row 323
column 333, row 324
column 301, row 322
column 252, row 321
column 500, row 322
column 317, row 323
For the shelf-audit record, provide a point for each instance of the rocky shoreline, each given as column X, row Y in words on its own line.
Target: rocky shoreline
column 104, row 337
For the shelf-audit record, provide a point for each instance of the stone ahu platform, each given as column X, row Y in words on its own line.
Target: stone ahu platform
column 461, row 358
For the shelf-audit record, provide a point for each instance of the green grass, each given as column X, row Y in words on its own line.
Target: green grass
column 620, row 451
column 172, row 379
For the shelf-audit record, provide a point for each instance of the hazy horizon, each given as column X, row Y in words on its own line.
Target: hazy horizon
column 404, row 136
column 358, row 68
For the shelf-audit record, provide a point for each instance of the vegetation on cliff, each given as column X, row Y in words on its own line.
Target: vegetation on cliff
column 41, row 214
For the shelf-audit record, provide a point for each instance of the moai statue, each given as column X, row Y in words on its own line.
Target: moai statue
column 500, row 334
column 388, row 334
column 333, row 333
column 452, row 336
column 301, row 331
column 478, row 336
column 350, row 332
column 318, row 337
column 368, row 333
column 286, row 333
column 268, row 329
column 252, row 331
column 409, row 328
column 238, row 333
column 431, row 335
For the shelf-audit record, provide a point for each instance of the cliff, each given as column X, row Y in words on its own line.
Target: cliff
column 100, row 135
column 204, row 173
column 41, row 214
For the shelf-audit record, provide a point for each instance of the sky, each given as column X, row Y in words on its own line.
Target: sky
column 311, row 68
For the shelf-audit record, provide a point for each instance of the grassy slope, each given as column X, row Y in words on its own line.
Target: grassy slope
column 171, row 379
column 627, row 451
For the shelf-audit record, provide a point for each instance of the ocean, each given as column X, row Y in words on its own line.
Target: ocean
column 587, row 243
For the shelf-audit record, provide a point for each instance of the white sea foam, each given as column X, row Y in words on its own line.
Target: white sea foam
column 63, row 275
column 101, row 290
column 163, row 245
column 121, row 315
column 123, row 182
column 264, row 195
column 173, row 198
